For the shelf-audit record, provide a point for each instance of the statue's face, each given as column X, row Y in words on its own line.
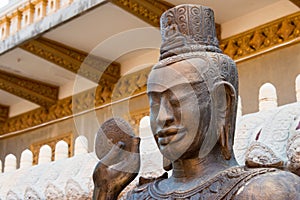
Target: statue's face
column 179, row 120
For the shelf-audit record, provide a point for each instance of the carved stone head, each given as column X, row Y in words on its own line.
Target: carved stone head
column 193, row 88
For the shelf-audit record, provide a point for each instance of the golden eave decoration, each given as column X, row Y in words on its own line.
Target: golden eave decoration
column 262, row 39
column 256, row 41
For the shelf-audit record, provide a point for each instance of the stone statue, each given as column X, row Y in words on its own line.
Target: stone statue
column 193, row 94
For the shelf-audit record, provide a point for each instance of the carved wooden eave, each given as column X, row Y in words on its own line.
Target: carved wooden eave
column 150, row 10
column 91, row 67
column 4, row 110
column 34, row 91
column 147, row 10
column 92, row 99
column 279, row 33
column 259, row 40
column 296, row 2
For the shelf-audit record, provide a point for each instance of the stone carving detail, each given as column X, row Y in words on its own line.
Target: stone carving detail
column 259, row 155
column 52, row 192
column 263, row 38
column 234, row 179
column 12, row 196
column 180, row 35
column 110, row 133
column 66, row 179
column 293, row 154
column 273, row 128
column 193, row 93
column 75, row 192
column 31, row 193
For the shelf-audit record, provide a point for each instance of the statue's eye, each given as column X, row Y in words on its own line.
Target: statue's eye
column 154, row 100
column 174, row 102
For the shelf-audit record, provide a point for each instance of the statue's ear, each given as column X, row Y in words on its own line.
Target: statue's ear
column 224, row 100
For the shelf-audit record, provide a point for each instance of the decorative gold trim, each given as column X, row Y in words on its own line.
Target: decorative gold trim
column 35, row 91
column 296, row 2
column 265, row 38
column 147, row 10
column 131, row 84
column 74, row 60
column 136, row 83
column 35, row 147
column 4, row 110
column 273, row 35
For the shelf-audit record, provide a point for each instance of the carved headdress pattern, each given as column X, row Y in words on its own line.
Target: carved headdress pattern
column 188, row 28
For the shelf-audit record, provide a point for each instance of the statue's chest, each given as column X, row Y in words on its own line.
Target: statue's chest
column 223, row 186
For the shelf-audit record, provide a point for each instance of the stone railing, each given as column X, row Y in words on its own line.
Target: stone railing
column 268, row 97
column 45, row 154
column 64, row 178
column 272, row 126
column 20, row 14
column 68, row 178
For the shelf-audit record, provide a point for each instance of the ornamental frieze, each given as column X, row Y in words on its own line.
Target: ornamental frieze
column 148, row 10
column 76, row 61
column 270, row 36
column 91, row 99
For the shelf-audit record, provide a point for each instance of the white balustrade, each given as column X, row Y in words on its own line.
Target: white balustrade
column 45, row 154
column 81, row 145
column 267, row 97
column 10, row 163
column 297, row 82
column 61, row 150
column 26, row 159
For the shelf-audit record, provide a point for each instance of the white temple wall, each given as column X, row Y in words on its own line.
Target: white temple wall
column 279, row 68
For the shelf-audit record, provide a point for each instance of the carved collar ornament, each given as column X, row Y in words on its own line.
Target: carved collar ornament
column 222, row 186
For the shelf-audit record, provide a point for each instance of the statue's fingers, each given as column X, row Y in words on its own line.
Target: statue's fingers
column 114, row 155
column 135, row 147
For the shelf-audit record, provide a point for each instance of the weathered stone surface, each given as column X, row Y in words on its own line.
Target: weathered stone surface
column 273, row 128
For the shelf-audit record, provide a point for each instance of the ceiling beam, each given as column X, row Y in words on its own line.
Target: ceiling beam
column 150, row 11
column 147, row 10
column 296, row 2
column 4, row 110
column 74, row 60
column 34, row 91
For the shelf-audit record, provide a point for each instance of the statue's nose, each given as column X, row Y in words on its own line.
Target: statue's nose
column 165, row 115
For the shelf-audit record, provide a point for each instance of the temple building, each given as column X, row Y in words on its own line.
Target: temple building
column 66, row 66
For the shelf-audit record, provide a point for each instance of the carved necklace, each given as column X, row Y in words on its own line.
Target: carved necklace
column 222, row 186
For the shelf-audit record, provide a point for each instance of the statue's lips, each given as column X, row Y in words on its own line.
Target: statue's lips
column 170, row 134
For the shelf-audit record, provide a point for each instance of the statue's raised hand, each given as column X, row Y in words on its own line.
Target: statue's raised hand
column 118, row 151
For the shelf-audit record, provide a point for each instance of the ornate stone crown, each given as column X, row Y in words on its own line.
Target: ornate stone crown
column 188, row 28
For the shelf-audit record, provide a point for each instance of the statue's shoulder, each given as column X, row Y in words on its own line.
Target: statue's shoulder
column 140, row 192
column 143, row 190
column 276, row 184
